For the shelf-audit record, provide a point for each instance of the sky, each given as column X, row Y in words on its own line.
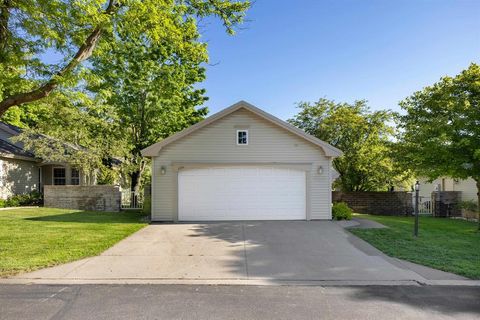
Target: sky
column 382, row 51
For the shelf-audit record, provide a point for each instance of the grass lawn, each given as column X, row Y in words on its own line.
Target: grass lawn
column 444, row 244
column 36, row 238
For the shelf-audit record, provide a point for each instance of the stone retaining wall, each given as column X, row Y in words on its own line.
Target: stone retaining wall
column 92, row 198
column 381, row 203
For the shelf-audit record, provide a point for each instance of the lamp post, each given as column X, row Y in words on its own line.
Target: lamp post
column 417, row 189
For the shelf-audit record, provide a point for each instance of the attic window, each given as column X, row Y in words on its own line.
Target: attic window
column 242, row 137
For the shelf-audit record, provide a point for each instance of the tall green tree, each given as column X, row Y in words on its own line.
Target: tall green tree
column 76, row 30
column 152, row 91
column 440, row 132
column 364, row 136
column 74, row 130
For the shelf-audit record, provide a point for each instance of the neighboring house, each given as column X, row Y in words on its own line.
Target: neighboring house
column 468, row 187
column 241, row 164
column 21, row 172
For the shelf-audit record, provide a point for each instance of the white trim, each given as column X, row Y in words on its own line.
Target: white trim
column 330, row 151
column 13, row 156
column 242, row 144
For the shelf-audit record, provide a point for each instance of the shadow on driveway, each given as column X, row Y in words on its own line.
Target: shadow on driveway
column 303, row 251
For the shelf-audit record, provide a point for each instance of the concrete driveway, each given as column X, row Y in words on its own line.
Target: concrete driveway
column 239, row 252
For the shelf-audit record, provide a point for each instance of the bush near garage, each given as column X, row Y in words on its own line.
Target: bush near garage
column 341, row 211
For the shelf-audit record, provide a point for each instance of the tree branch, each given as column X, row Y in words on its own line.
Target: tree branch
column 4, row 33
column 83, row 53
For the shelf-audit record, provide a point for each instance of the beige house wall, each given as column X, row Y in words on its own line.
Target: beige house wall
column 467, row 187
column 18, row 177
column 215, row 145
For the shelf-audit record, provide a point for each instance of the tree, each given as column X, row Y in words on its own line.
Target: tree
column 76, row 30
column 73, row 130
column 364, row 136
column 440, row 132
column 151, row 90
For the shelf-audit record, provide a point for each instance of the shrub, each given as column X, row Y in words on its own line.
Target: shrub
column 28, row 199
column 3, row 203
column 12, row 202
column 147, row 205
column 341, row 211
column 469, row 205
column 469, row 209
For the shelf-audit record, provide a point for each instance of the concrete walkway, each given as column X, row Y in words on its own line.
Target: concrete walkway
column 286, row 252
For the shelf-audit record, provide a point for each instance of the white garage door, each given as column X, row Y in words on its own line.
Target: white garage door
column 241, row 193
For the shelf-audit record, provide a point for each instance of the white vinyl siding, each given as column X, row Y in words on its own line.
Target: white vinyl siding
column 267, row 143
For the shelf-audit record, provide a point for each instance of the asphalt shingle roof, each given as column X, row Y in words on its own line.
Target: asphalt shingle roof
column 6, row 147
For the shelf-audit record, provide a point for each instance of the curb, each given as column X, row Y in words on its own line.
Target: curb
column 241, row 282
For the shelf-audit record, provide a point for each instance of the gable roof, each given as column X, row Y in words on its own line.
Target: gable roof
column 14, row 130
column 12, row 151
column 330, row 151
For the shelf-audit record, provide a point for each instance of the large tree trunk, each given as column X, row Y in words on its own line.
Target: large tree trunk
column 135, row 181
column 136, row 177
column 4, row 33
column 83, row 53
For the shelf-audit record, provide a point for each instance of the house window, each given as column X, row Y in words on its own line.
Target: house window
column 242, row 137
column 75, row 177
column 59, row 176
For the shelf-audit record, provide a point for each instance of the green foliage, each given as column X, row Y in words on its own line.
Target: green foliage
column 140, row 87
column 13, row 201
column 341, row 211
column 147, row 205
column 33, row 198
column 364, row 136
column 107, row 176
column 75, row 30
column 75, row 129
column 152, row 92
column 469, row 205
column 440, row 131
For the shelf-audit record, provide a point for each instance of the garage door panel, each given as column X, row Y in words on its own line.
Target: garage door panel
column 241, row 193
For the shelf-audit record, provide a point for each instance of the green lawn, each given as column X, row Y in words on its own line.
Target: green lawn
column 35, row 238
column 444, row 244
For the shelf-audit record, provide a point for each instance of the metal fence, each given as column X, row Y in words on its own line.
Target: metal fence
column 132, row 200
column 424, row 205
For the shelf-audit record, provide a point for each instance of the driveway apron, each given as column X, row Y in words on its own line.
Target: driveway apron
column 274, row 251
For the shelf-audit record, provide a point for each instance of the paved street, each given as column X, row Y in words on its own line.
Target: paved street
column 237, row 302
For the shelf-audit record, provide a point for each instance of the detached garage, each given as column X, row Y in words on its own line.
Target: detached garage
column 241, row 164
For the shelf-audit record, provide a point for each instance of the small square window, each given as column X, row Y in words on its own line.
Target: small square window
column 242, row 137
